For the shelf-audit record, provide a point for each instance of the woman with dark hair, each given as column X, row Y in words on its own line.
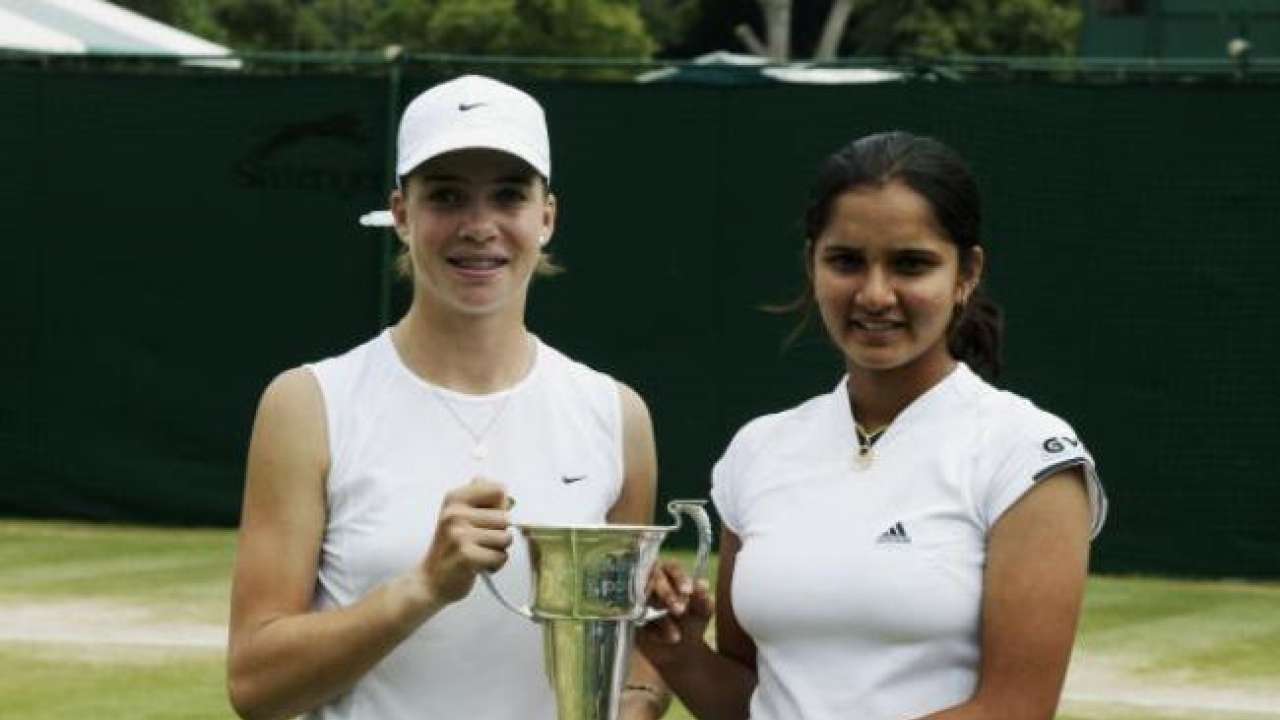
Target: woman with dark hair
column 915, row 543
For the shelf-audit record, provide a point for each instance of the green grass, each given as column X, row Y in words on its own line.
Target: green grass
column 1121, row 711
column 1215, row 634
column 179, row 573
column 38, row 684
column 1208, row 632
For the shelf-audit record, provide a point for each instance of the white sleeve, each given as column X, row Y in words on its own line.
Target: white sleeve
column 1027, row 447
column 722, row 492
column 726, row 480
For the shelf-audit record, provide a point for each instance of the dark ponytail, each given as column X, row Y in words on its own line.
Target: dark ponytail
column 976, row 334
column 940, row 176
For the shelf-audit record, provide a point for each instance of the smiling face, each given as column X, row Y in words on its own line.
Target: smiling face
column 474, row 222
column 887, row 280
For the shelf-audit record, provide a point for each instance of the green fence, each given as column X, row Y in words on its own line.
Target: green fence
column 173, row 240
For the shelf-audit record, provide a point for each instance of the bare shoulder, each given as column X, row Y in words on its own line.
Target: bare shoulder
column 291, row 414
column 288, row 451
column 635, row 413
column 640, row 461
column 294, row 393
column 637, row 433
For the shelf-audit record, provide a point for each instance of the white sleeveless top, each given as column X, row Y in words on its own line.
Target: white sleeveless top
column 395, row 449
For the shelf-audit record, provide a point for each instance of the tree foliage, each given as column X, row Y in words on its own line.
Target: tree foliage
column 194, row 16
column 934, row 28
column 586, row 28
column 899, row 28
column 669, row 21
column 622, row 28
column 595, row 28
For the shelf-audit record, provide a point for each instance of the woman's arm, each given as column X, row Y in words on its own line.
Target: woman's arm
column 1033, row 587
column 648, row 699
column 283, row 657
column 713, row 684
column 634, row 505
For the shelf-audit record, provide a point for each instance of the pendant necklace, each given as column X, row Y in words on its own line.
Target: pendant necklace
column 479, row 451
column 866, row 439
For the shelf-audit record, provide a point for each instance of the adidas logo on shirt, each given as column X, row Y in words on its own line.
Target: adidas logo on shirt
column 895, row 534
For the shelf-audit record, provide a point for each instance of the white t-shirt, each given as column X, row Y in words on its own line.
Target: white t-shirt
column 861, row 583
column 396, row 448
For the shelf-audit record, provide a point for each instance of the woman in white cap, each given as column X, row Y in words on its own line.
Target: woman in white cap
column 379, row 482
column 914, row 543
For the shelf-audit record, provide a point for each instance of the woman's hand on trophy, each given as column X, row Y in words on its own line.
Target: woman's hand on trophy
column 689, row 605
column 471, row 536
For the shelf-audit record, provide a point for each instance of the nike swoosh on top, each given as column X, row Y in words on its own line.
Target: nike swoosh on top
column 470, row 106
column 569, row 480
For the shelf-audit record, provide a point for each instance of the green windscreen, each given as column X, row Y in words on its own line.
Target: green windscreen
column 172, row 242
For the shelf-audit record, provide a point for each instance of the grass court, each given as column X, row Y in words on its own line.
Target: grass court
column 127, row 623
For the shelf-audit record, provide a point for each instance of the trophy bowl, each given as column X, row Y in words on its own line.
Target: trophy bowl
column 589, row 594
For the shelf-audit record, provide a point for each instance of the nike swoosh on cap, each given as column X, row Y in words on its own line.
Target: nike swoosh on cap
column 470, row 106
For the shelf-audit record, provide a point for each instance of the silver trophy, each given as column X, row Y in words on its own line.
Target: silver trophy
column 589, row 584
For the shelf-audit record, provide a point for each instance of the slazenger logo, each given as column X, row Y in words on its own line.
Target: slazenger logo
column 1058, row 444
column 301, row 156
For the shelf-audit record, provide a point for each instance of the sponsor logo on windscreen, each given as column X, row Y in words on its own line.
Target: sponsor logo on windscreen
column 326, row 155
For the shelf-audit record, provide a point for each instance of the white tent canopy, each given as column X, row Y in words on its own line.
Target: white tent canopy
column 93, row 26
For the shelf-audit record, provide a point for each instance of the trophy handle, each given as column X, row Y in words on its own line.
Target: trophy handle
column 521, row 610
column 694, row 509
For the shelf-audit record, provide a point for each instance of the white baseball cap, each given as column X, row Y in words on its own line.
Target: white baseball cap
column 471, row 111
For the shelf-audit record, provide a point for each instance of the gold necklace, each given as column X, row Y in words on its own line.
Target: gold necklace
column 866, row 439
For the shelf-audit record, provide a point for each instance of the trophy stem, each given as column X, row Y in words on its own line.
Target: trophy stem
column 587, row 663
